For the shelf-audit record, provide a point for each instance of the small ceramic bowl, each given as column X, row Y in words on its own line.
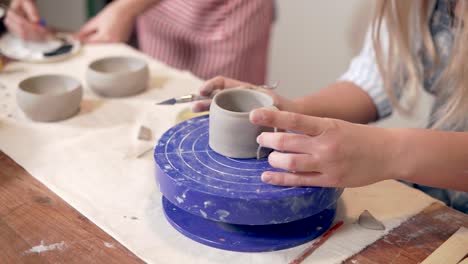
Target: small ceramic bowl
column 118, row 76
column 48, row 98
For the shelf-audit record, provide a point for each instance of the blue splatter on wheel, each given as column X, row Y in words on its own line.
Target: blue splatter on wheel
column 222, row 202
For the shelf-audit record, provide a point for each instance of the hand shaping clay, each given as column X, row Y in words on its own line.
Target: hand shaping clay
column 230, row 133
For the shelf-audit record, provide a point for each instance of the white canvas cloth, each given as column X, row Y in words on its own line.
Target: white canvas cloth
column 89, row 161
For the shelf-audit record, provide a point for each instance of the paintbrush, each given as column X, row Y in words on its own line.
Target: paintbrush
column 316, row 244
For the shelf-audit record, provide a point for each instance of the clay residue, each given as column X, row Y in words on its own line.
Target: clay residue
column 109, row 245
column 203, row 213
column 179, row 199
column 43, row 248
column 222, row 214
column 206, row 204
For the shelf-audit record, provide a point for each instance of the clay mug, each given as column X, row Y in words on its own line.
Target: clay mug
column 230, row 132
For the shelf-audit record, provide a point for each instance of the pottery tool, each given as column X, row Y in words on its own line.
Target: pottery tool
column 309, row 250
column 144, row 152
column 195, row 97
column 183, row 99
column 222, row 202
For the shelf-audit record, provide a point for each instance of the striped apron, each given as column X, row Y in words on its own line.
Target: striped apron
column 210, row 37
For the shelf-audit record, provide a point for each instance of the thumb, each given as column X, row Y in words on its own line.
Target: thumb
column 85, row 31
column 216, row 83
column 30, row 9
column 201, row 106
column 95, row 38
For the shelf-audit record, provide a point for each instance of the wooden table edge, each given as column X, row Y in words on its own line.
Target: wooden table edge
column 399, row 244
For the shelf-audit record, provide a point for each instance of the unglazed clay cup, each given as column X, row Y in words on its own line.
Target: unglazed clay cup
column 48, row 98
column 118, row 76
column 230, row 133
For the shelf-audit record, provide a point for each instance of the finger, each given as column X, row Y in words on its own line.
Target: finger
column 15, row 24
column 288, row 142
column 15, row 6
column 297, row 179
column 293, row 162
column 37, row 33
column 31, row 11
column 83, row 35
column 309, row 125
column 85, row 31
column 219, row 83
column 24, row 29
column 201, row 106
column 12, row 26
column 96, row 38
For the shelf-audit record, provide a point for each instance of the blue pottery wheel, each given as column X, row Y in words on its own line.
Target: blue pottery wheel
column 222, row 202
column 248, row 238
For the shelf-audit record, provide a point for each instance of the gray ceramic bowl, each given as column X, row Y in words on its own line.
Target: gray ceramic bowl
column 48, row 98
column 118, row 76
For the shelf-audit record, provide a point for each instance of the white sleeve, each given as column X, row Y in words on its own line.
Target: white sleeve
column 363, row 71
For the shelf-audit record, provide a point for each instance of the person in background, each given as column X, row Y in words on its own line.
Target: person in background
column 411, row 45
column 206, row 37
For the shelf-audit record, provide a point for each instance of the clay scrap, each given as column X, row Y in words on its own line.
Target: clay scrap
column 144, row 133
column 368, row 221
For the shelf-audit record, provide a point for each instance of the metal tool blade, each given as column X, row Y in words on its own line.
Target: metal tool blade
column 171, row 101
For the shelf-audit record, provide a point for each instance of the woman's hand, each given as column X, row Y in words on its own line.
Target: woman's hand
column 212, row 86
column 328, row 152
column 23, row 19
column 111, row 25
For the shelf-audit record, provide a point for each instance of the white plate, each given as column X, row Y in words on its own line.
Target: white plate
column 16, row 48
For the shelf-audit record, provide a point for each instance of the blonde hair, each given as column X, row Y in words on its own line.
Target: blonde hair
column 407, row 23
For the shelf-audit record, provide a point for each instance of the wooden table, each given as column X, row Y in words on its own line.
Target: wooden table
column 31, row 213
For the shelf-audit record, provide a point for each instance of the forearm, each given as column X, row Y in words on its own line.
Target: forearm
column 135, row 7
column 341, row 100
column 432, row 158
